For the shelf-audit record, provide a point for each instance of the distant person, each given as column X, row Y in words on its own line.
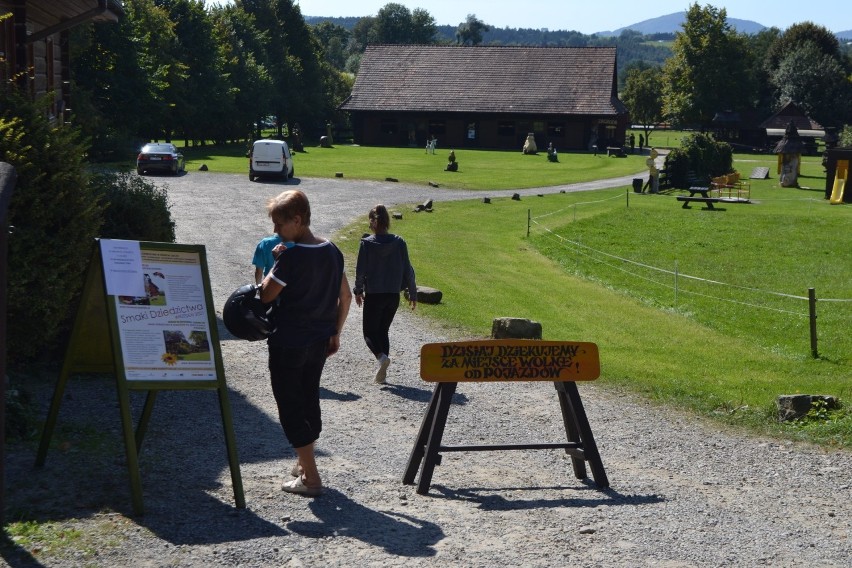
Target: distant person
column 430, row 144
column 632, row 142
column 313, row 298
column 382, row 270
column 551, row 153
column 641, row 142
column 263, row 258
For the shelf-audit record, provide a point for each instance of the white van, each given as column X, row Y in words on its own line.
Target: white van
column 270, row 158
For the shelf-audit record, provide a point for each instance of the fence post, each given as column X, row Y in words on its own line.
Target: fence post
column 813, row 317
column 627, row 196
column 675, row 284
column 529, row 220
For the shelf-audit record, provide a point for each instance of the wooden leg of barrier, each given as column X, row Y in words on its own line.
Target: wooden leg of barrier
column 577, row 457
column 419, row 450
column 581, row 423
column 444, row 392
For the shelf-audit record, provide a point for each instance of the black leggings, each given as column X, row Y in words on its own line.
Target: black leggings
column 296, row 373
column 379, row 310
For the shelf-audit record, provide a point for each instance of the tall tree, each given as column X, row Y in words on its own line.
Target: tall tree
column 706, row 72
column 243, row 51
column 816, row 82
column 643, row 96
column 423, row 27
column 333, row 39
column 396, row 24
column 293, row 60
column 200, row 100
column 795, row 37
column 470, row 31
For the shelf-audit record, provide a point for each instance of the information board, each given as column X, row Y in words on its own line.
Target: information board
column 146, row 316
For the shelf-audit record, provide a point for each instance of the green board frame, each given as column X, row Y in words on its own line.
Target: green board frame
column 96, row 345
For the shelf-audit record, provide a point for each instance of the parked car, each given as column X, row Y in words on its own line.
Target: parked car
column 160, row 157
column 270, row 158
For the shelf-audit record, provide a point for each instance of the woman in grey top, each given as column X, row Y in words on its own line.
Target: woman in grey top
column 383, row 269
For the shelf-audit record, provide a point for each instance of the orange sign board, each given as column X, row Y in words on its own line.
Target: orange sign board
column 501, row 360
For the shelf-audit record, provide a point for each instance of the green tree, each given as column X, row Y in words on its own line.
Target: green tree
column 292, row 59
column 643, row 96
column 120, row 74
column 423, row 27
column 392, row 25
column 333, row 39
column 707, row 71
column 470, row 31
column 795, row 37
column 200, row 101
column 762, row 97
column 56, row 216
column 243, row 52
column 816, row 82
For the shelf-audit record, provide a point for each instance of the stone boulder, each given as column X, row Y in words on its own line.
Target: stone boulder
column 515, row 328
column 426, row 295
column 794, row 406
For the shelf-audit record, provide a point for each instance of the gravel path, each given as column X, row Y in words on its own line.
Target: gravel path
column 683, row 492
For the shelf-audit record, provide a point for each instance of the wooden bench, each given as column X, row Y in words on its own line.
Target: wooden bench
column 709, row 201
column 616, row 151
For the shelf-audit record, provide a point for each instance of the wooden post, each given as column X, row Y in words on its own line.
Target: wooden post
column 813, row 316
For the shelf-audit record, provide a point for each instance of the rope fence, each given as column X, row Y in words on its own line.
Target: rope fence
column 673, row 280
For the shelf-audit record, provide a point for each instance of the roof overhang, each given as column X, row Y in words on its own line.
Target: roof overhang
column 779, row 132
column 75, row 13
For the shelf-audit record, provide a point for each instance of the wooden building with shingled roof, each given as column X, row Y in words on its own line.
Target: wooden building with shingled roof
column 35, row 50
column 487, row 97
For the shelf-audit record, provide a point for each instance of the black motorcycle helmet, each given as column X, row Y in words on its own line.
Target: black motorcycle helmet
column 246, row 317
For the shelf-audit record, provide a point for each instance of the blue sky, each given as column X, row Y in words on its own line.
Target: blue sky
column 588, row 16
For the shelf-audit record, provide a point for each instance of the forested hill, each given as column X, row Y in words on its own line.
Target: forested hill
column 632, row 46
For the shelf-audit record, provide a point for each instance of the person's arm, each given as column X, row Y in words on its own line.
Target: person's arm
column 344, row 300
column 270, row 287
column 360, row 275
column 258, row 275
column 408, row 275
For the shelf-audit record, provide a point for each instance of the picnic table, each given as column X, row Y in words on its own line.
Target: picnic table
column 704, row 197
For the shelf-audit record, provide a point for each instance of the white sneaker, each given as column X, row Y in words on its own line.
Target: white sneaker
column 382, row 371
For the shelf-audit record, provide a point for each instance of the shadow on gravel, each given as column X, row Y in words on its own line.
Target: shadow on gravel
column 420, row 395
column 15, row 556
column 488, row 501
column 326, row 394
column 398, row 534
column 182, row 462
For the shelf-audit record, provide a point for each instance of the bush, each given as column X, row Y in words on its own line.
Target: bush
column 699, row 156
column 845, row 138
column 135, row 209
column 55, row 215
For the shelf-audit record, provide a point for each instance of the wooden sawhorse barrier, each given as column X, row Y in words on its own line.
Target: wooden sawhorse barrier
column 499, row 361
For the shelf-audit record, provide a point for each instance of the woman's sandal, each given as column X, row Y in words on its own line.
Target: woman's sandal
column 297, row 470
column 298, row 487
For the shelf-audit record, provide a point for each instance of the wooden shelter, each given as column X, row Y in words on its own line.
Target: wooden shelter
column 807, row 129
column 487, row 96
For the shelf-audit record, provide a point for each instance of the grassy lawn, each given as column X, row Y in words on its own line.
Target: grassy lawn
column 600, row 266
column 478, row 169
